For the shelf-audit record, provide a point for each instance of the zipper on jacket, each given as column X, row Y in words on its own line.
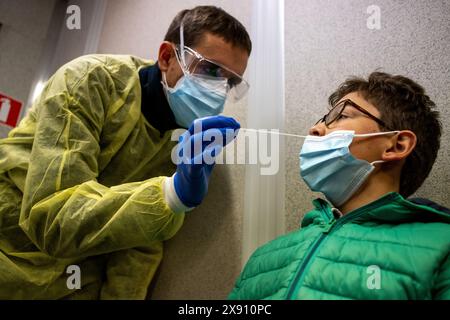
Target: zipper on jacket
column 331, row 226
column 305, row 262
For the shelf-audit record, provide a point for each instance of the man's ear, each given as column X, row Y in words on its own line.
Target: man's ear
column 165, row 55
column 400, row 146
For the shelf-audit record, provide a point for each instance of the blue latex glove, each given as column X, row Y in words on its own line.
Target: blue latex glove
column 192, row 176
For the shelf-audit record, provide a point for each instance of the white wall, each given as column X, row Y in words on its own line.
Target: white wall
column 22, row 40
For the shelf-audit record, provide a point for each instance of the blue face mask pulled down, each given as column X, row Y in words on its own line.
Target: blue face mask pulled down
column 327, row 166
column 196, row 97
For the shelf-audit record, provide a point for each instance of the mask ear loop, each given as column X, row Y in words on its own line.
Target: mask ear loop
column 374, row 134
column 181, row 63
column 164, row 83
column 183, row 59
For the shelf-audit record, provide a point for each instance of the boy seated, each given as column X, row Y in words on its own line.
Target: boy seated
column 373, row 149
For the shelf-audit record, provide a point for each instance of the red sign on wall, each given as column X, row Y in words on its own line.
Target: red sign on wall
column 9, row 110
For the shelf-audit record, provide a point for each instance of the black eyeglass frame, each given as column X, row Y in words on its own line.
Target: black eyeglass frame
column 357, row 107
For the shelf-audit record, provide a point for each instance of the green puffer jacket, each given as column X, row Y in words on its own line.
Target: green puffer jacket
column 388, row 249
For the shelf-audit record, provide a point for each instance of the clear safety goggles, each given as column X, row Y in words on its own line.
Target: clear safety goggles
column 194, row 63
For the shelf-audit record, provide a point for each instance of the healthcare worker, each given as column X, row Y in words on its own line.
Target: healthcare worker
column 88, row 190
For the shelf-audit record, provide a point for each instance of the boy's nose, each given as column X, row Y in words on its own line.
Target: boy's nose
column 319, row 129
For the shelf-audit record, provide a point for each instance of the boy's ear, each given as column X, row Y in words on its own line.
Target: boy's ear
column 165, row 55
column 400, row 146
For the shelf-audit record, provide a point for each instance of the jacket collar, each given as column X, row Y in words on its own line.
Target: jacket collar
column 391, row 208
column 154, row 104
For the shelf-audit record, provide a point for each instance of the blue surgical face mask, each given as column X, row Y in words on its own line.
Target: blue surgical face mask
column 196, row 97
column 327, row 166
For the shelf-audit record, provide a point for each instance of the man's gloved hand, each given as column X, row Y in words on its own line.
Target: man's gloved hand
column 197, row 150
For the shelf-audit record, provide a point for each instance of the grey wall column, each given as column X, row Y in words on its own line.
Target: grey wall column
column 264, row 194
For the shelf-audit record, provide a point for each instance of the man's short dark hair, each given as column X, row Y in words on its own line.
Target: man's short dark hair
column 202, row 19
column 403, row 105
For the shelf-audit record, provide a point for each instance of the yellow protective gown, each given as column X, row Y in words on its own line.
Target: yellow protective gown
column 81, row 184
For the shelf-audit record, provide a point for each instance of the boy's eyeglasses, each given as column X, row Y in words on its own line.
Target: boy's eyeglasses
column 336, row 112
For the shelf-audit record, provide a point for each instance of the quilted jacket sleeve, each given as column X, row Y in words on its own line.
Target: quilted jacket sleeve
column 442, row 284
